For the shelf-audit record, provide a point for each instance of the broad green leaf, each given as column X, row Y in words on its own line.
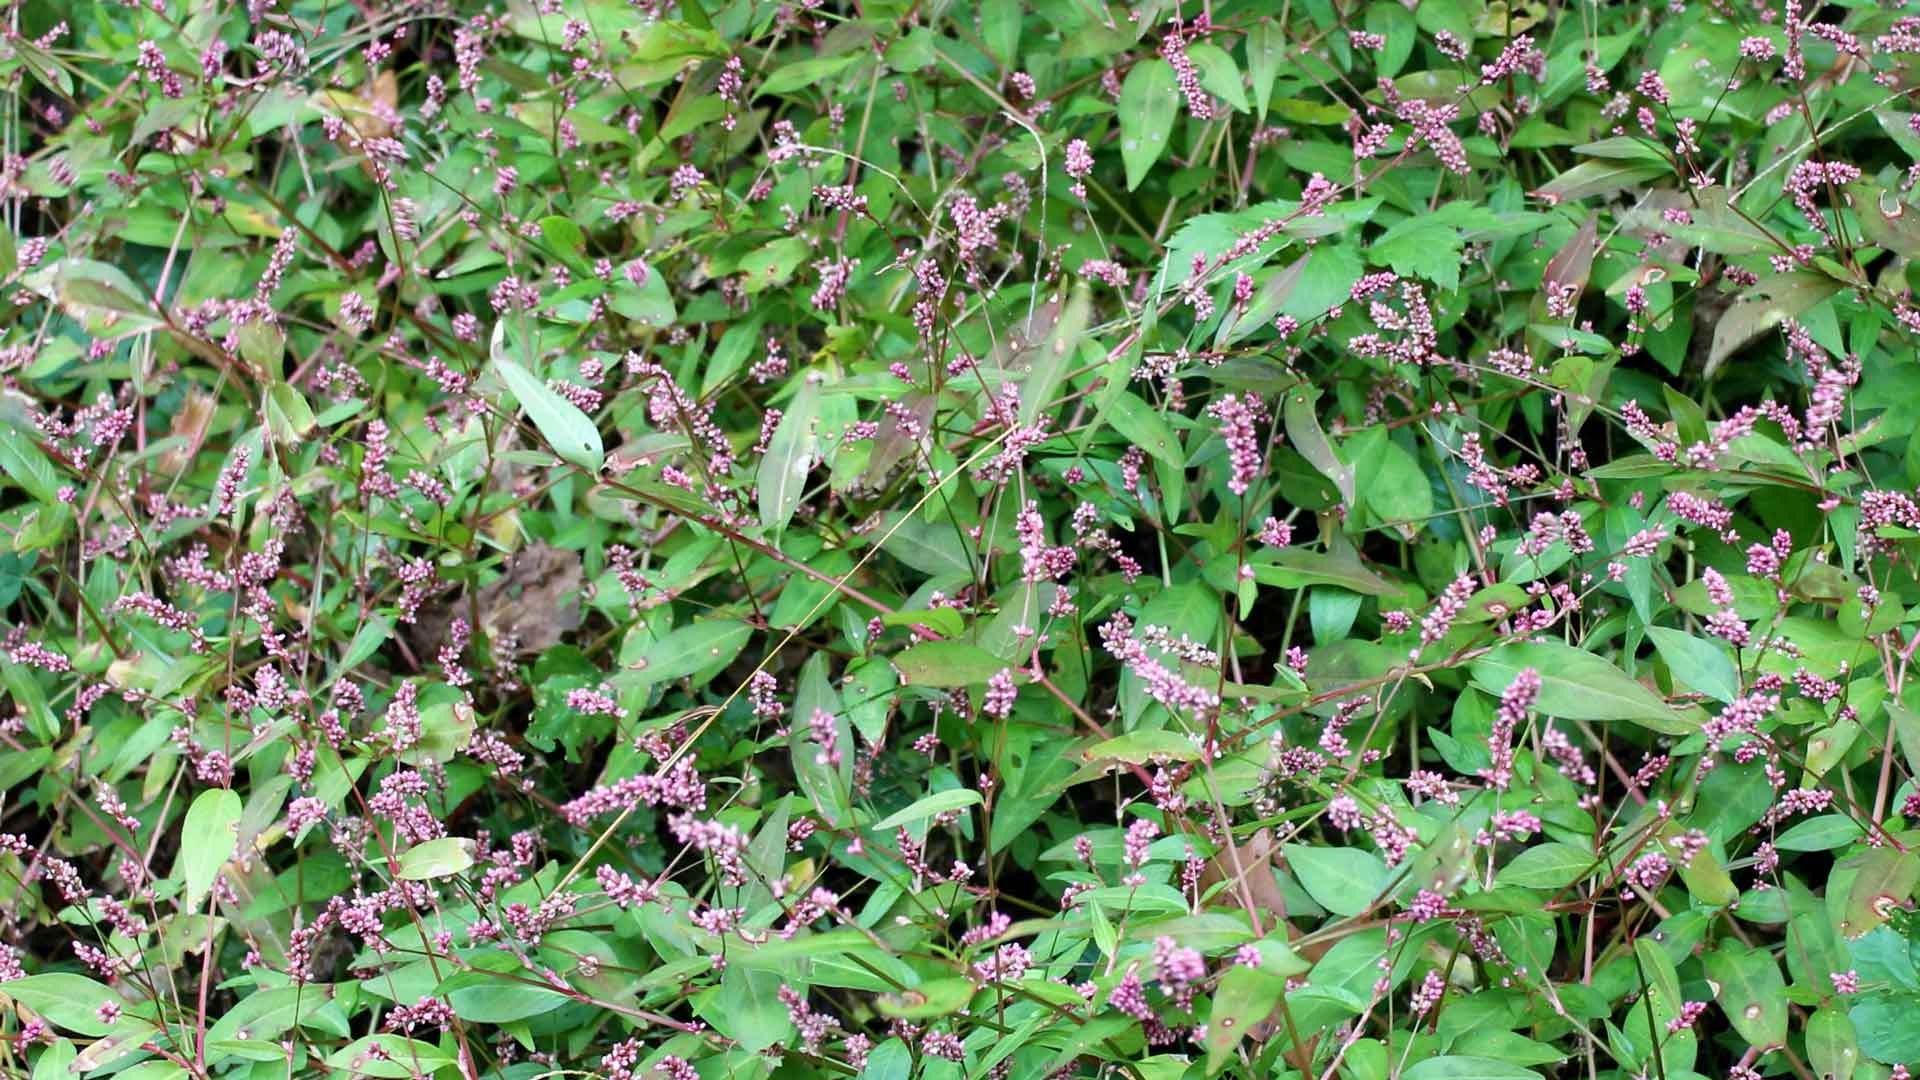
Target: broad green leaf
column 948, row 664
column 789, row 457
column 829, row 785
column 438, row 858
column 1591, row 178
column 1219, row 75
column 1547, row 866
column 209, row 836
column 1266, row 53
column 1832, row 1047
column 935, row 548
column 102, row 297
column 400, row 1057
column 1145, row 428
column 1577, row 685
column 367, row 640
column 567, row 430
column 804, row 73
column 1395, row 486
column 939, row 802
column 27, row 465
column 1697, row 662
column 1000, row 22
column 1883, row 1024
column 1885, row 882
column 945, row 621
column 696, row 649
column 1424, row 247
column 1707, row 881
column 67, row 1000
column 937, row 997
column 1906, row 725
column 491, row 998
column 646, row 302
column 1462, row 1067
column 1298, row 567
column 1763, row 307
column 1748, row 985
column 1150, row 101
column 1344, row 880
column 1049, row 360
column 266, row 1014
column 1141, row 747
column 1307, row 436
column 1822, row 833
column 289, row 417
column 1242, row 999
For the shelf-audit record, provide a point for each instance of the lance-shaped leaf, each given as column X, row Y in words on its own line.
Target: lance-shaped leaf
column 790, row 455
column 568, row 431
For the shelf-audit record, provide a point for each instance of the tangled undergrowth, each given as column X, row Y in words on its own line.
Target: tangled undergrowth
column 1000, row 540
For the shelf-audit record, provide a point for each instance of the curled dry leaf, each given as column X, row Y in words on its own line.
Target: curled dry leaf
column 534, row 603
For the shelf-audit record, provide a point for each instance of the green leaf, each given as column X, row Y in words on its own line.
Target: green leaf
column 67, row 1000
column 567, row 430
column 1143, row 426
column 827, row 785
column 1463, row 1067
column 1697, row 662
column 1395, row 486
column 442, row 857
column 1266, row 52
column 1547, row 866
column 402, row 1057
column 934, row 998
column 789, row 457
column 1219, row 75
column 1149, row 103
column 28, row 465
column 497, row 999
column 209, row 836
column 266, row 1014
column 1344, row 880
column 939, row 802
column 933, row 548
column 690, row 650
column 1885, row 880
column 1822, row 833
column 1906, row 724
column 1577, row 685
column 945, row 621
column 1591, row 178
column 103, row 298
column 947, row 664
column 289, row 417
column 647, row 303
column 1765, row 306
column 1243, row 998
column 1832, row 1047
column 1000, row 23
column 1883, row 1023
column 1751, row 992
column 1050, row 360
column 804, row 73
column 1424, row 247
column 366, row 641
column 1141, row 747
column 1304, row 431
column 1297, row 567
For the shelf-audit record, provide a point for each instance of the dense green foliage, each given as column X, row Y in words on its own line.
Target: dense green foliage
column 980, row 540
